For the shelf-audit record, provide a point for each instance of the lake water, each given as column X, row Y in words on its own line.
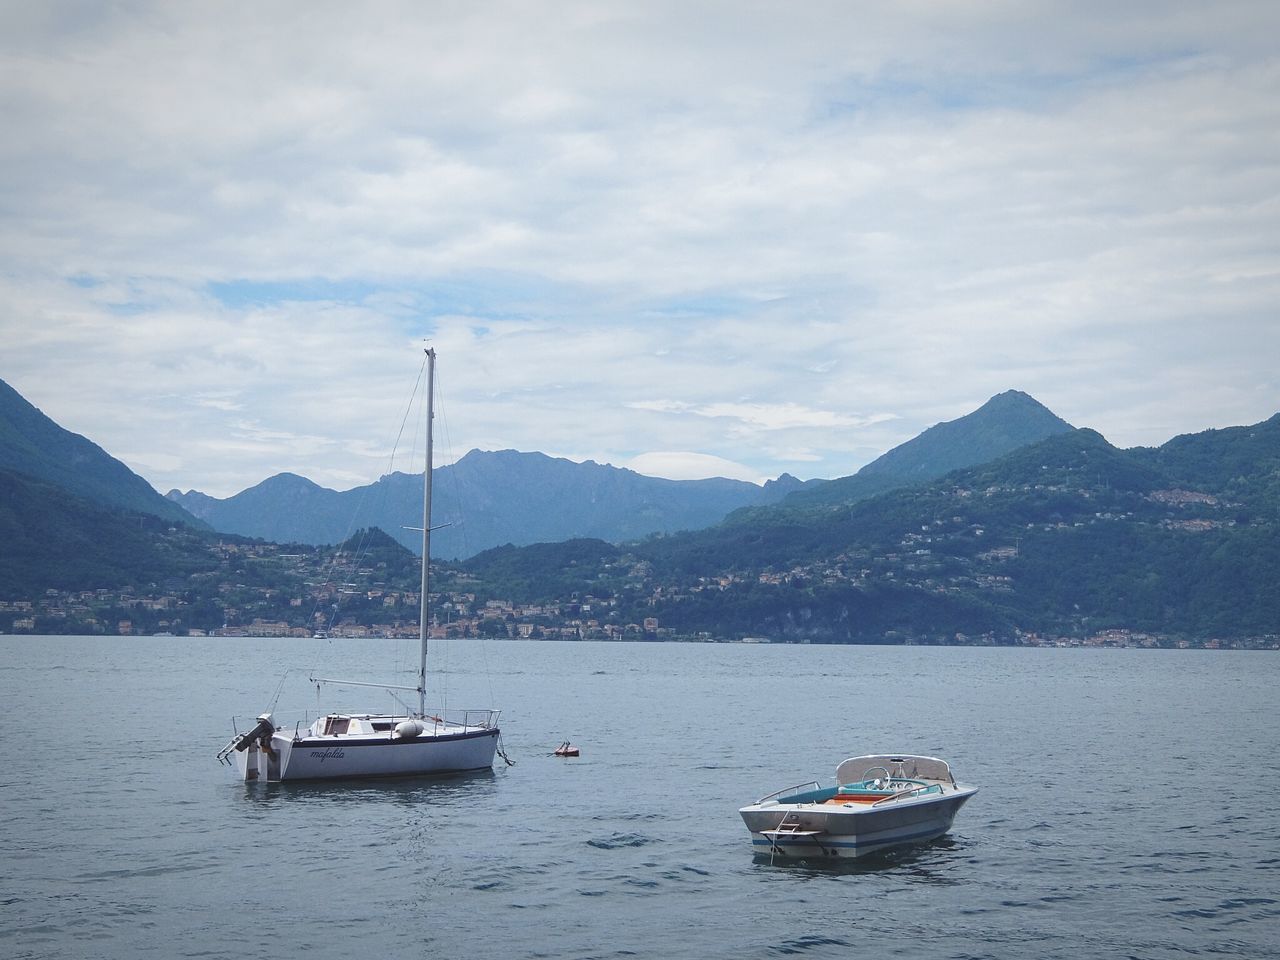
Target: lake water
column 1128, row 805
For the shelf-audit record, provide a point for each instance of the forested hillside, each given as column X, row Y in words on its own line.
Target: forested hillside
column 1067, row 536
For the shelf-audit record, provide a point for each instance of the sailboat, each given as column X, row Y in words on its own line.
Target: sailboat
column 340, row 746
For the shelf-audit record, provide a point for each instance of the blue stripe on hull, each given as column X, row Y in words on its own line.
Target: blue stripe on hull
column 403, row 774
column 811, row 844
column 385, row 741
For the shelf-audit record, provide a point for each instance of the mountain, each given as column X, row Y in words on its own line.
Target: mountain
column 33, row 445
column 1064, row 538
column 55, row 540
column 1026, row 485
column 509, row 497
column 1067, row 537
column 288, row 508
column 1004, row 423
column 522, row 498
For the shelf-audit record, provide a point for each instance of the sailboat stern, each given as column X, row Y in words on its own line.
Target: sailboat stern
column 260, row 754
column 264, row 760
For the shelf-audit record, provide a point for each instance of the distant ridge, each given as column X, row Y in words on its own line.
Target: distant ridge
column 510, row 497
column 518, row 498
column 1004, row 423
column 33, row 445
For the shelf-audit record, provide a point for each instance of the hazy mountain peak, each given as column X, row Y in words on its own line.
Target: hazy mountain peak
column 1006, row 422
column 1011, row 399
column 290, row 481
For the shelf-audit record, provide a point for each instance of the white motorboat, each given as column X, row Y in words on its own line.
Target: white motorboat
column 877, row 802
column 341, row 746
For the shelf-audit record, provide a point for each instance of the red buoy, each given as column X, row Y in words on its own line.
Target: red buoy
column 566, row 749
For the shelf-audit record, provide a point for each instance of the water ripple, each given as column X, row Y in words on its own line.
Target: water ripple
column 143, row 850
column 812, row 942
column 620, row 841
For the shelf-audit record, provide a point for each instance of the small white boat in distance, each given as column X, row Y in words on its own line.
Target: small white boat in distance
column 344, row 746
column 878, row 801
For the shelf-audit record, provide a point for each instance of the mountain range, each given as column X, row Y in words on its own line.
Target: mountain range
column 1002, row 524
column 483, row 500
column 1066, row 537
column 489, row 499
column 493, row 498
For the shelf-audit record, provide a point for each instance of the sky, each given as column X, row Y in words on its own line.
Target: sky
column 692, row 239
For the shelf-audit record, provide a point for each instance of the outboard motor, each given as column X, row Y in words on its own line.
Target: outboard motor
column 262, row 731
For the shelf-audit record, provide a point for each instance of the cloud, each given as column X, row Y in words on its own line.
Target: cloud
column 685, row 465
column 777, row 416
column 812, row 233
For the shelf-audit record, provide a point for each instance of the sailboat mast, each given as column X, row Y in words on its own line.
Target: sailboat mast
column 426, row 539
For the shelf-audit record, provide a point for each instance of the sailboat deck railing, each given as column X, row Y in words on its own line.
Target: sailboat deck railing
column 464, row 718
column 481, row 719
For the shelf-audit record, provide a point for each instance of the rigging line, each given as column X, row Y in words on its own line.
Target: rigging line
column 363, row 544
column 459, row 503
column 460, row 521
column 442, row 650
column 275, row 697
column 501, row 751
column 362, row 547
column 484, row 661
column 415, row 414
column 413, row 398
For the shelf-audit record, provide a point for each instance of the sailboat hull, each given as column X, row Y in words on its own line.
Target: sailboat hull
column 344, row 758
